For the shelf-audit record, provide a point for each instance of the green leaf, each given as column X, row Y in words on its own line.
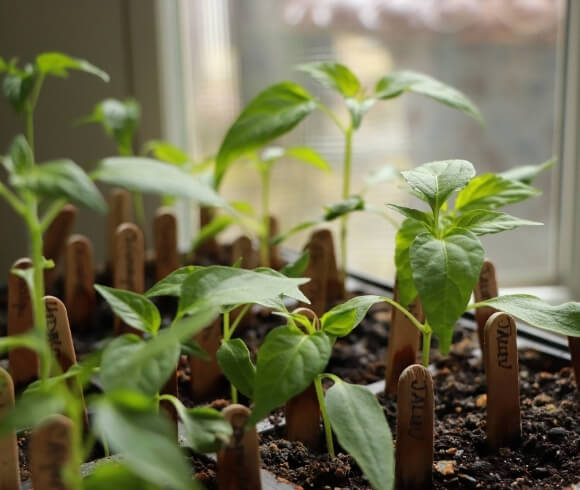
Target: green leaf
column 218, row 224
column 58, row 64
column 383, row 174
column 20, row 157
column 445, row 272
column 362, row 430
column 233, row 357
column 405, row 236
column 563, row 319
column 30, row 340
column 123, row 366
column 171, row 284
column 334, row 76
column 147, row 175
column 339, row 209
column 358, row 108
column 61, row 179
column 288, row 361
column 192, row 348
column 220, row 286
column 134, row 309
column 309, row 156
column 342, row 319
column 298, row 267
column 435, row 182
column 146, row 442
column 416, row 214
column 166, row 152
column 490, row 191
column 527, row 173
column 272, row 113
column 3, row 65
column 483, row 222
column 396, row 83
column 115, row 475
column 17, row 87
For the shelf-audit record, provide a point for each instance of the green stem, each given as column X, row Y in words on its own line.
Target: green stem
column 238, row 319
column 332, row 116
column 422, row 328
column 426, row 349
column 265, row 237
column 226, row 326
column 234, row 393
column 29, row 111
column 346, row 177
column 51, row 213
column 139, row 210
column 13, row 200
column 325, row 420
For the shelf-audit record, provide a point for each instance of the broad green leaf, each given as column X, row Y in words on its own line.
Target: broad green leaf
column 490, row 191
column 218, row 224
column 396, row 83
column 166, row 152
column 134, row 309
column 483, row 222
column 3, row 65
column 171, row 284
column 342, row 319
column 527, row 173
column 563, row 319
column 61, row 179
column 20, row 157
column 383, row 174
column 233, row 357
column 146, row 442
column 309, row 156
column 298, row 267
column 17, row 87
column 123, row 366
column 435, row 182
column 358, row 108
column 108, row 475
column 220, row 286
column 416, row 214
column 58, row 64
column 192, row 348
column 272, row 113
column 362, row 430
column 445, row 272
column 147, row 175
column 334, row 76
column 288, row 361
column 405, row 236
column 339, row 209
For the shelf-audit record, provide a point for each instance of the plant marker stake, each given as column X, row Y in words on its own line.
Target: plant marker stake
column 165, row 239
column 206, row 375
column 503, row 382
column 55, row 238
column 23, row 362
column 129, row 268
column 486, row 288
column 80, row 296
column 9, row 472
column 242, row 248
column 334, row 285
column 303, row 418
column 317, row 271
column 238, row 465
column 210, row 248
column 49, row 453
column 119, row 213
column 574, row 347
column 403, row 345
column 276, row 261
column 415, row 414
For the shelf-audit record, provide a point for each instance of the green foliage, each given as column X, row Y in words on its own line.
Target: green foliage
column 171, row 284
column 298, row 267
column 527, row 173
column 166, row 152
column 333, row 76
column 343, row 318
column 116, row 475
column 484, row 222
column 59, row 64
column 233, row 357
column 218, row 224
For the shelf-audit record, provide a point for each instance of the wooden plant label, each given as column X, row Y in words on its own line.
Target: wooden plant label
column 242, row 248
column 58, row 331
column 165, row 240
column 210, row 248
column 50, row 451
column 486, row 288
column 80, row 295
column 317, row 271
column 303, row 418
column 238, row 465
column 574, row 347
column 276, row 261
column 404, row 339
column 503, row 382
column 55, row 238
column 415, row 414
column 334, row 286
column 207, row 375
column 119, row 212
column 129, row 267
column 9, row 472
column 23, row 362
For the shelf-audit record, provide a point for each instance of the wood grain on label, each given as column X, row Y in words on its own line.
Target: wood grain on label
column 316, row 289
column 50, row 451
column 80, row 295
column 165, row 242
column 415, row 415
column 129, row 267
column 23, row 362
column 503, row 381
column 486, row 288
column 404, row 339
column 574, row 347
column 9, row 469
column 119, row 213
column 276, row 261
column 206, row 376
column 303, row 418
column 242, row 249
column 58, row 332
column 334, row 285
column 238, row 465
column 55, row 238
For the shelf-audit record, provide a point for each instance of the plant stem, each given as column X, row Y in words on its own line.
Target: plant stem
column 265, row 238
column 238, row 319
column 426, row 349
column 139, row 210
column 325, row 421
column 332, row 116
column 226, row 325
column 51, row 213
column 29, row 111
column 346, row 176
column 422, row 328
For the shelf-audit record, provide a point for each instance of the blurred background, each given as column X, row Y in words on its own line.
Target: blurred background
column 194, row 64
